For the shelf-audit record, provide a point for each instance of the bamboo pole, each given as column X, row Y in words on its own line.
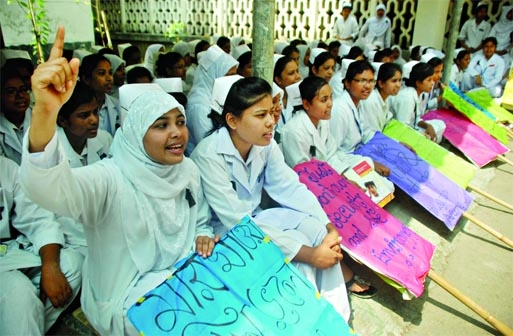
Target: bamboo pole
column 500, row 326
column 104, row 19
column 490, row 197
column 505, row 160
column 488, row 229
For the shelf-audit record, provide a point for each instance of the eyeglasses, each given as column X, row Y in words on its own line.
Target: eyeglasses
column 365, row 81
column 13, row 92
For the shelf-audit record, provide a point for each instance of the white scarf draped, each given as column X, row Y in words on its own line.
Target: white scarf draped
column 378, row 26
column 156, row 228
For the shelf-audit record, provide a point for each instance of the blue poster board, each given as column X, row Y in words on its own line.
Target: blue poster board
column 247, row 287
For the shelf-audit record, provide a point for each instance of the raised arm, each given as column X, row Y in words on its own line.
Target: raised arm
column 52, row 85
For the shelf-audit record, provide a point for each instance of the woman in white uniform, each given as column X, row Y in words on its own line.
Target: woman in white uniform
column 39, row 275
column 96, row 72
column 214, row 64
column 308, row 136
column 378, row 113
column 347, row 114
column 143, row 210
column 408, row 107
column 239, row 161
column 286, row 73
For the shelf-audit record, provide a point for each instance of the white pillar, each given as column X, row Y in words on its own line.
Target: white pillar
column 430, row 21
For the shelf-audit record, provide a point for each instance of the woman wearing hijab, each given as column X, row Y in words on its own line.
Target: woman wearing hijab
column 118, row 73
column 377, row 30
column 151, row 56
column 502, row 32
column 142, row 210
column 214, row 64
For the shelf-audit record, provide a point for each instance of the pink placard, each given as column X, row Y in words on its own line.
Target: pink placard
column 368, row 232
column 477, row 145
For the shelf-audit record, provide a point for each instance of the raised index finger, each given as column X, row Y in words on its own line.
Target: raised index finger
column 58, row 44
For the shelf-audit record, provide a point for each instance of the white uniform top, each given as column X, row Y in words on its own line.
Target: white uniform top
column 407, row 107
column 473, row 34
column 36, row 224
column 457, row 76
column 99, row 196
column 491, row 70
column 11, row 137
column 110, row 118
column 377, row 113
column 301, row 141
column 337, row 87
column 345, row 124
column 96, row 149
column 233, row 189
column 346, row 28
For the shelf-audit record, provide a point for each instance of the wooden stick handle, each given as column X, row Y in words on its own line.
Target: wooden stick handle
column 493, row 198
column 508, row 130
column 500, row 326
column 488, row 229
column 505, row 160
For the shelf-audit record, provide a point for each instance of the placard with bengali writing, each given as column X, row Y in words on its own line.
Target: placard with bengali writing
column 443, row 198
column 477, row 145
column 368, row 232
column 246, row 287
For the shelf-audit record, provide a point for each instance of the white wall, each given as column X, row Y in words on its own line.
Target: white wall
column 430, row 21
column 76, row 16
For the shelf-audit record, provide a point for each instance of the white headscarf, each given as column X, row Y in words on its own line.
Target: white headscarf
column 303, row 69
column 503, row 29
column 151, row 56
column 182, row 48
column 156, row 228
column 214, row 64
column 378, row 26
column 115, row 61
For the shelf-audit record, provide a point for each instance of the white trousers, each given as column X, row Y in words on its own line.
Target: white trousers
column 21, row 310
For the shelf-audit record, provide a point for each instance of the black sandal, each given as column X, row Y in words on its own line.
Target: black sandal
column 366, row 294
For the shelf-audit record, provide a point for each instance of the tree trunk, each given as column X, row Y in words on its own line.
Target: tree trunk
column 263, row 39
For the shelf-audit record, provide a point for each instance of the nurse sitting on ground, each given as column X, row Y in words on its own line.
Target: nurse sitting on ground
column 142, row 210
column 239, row 161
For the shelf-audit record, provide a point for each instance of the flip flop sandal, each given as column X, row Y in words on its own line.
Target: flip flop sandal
column 366, row 294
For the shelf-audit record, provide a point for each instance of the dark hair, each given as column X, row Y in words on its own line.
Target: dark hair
column 221, row 41
column 244, row 93
column 89, row 63
column 280, row 65
column 310, row 87
column 357, row 67
column 320, row 60
column 180, row 97
column 461, row 55
column 415, row 53
column 388, row 70
column 165, row 61
column 106, row 50
column 8, row 73
column 380, row 54
column 15, row 64
column 82, row 94
column 322, row 45
column 129, row 53
column 200, row 46
column 137, row 72
column 354, row 52
column 490, row 39
column 288, row 50
column 333, row 45
column 435, row 61
column 419, row 72
column 244, row 59
column 297, row 42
